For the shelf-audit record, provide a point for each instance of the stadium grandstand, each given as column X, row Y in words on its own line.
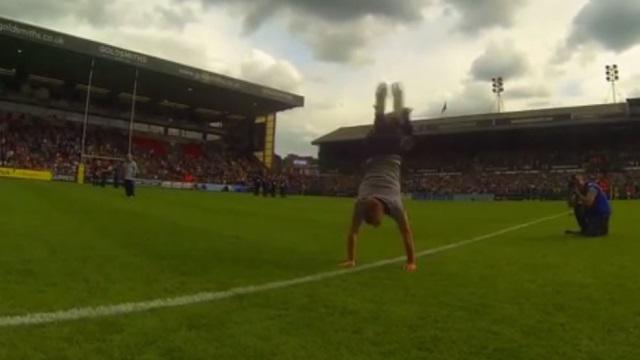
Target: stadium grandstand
column 68, row 103
column 510, row 155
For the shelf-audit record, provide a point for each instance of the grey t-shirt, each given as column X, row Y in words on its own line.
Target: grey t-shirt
column 382, row 181
column 130, row 170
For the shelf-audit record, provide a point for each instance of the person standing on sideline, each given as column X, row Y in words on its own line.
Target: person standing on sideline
column 284, row 186
column 130, row 172
column 257, row 184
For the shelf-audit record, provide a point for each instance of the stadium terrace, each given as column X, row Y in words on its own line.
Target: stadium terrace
column 57, row 81
column 511, row 155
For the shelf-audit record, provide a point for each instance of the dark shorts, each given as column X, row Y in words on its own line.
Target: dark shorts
column 130, row 188
column 593, row 224
column 388, row 138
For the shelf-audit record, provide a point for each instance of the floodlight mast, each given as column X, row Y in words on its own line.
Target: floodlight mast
column 498, row 89
column 612, row 75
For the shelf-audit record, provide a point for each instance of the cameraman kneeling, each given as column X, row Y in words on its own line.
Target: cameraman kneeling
column 591, row 207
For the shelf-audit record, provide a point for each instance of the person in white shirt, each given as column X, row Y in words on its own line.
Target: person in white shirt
column 130, row 172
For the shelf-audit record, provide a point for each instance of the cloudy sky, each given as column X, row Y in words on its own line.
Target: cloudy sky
column 550, row 52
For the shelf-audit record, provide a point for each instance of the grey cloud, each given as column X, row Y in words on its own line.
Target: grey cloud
column 175, row 16
column 31, row 10
column 290, row 141
column 499, row 60
column 571, row 88
column 528, row 91
column 632, row 82
column 614, row 25
column 325, row 105
column 93, row 12
column 339, row 43
column 96, row 13
column 340, row 30
column 318, row 79
column 336, row 30
column 256, row 14
column 264, row 69
column 337, row 47
column 539, row 104
column 329, row 10
column 163, row 45
column 346, row 10
column 478, row 15
column 99, row 14
column 610, row 25
column 293, row 136
column 562, row 55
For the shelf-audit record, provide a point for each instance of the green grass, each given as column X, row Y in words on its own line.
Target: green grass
column 527, row 294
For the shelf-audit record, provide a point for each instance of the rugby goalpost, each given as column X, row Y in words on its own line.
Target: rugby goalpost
column 81, row 171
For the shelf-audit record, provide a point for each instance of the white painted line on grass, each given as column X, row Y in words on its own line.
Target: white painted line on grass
column 135, row 307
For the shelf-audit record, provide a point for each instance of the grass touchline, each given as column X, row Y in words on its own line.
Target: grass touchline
column 135, row 307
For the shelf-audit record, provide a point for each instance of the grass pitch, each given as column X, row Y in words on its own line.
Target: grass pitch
column 527, row 294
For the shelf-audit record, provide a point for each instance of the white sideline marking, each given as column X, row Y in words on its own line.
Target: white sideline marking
column 134, row 307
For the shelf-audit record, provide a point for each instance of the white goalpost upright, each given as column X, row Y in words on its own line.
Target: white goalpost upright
column 82, row 167
column 133, row 111
column 84, row 156
column 86, row 112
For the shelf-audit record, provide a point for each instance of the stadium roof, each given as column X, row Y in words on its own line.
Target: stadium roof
column 61, row 57
column 567, row 116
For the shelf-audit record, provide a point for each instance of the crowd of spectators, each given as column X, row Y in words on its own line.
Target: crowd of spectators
column 527, row 185
column 507, row 176
column 527, row 173
column 592, row 159
column 55, row 144
column 520, row 185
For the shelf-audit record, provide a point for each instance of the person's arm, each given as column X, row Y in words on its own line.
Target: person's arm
column 407, row 240
column 352, row 236
column 588, row 199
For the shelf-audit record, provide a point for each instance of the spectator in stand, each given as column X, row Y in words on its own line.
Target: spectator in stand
column 54, row 144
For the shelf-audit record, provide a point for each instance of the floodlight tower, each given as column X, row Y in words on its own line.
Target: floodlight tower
column 498, row 89
column 613, row 75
